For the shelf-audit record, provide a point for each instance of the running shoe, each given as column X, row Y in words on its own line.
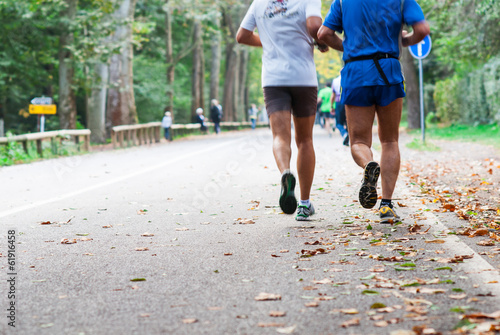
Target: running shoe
column 304, row 212
column 346, row 140
column 288, row 202
column 368, row 190
column 388, row 215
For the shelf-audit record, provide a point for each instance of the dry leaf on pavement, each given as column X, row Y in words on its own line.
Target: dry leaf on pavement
column 267, row 296
column 352, row 322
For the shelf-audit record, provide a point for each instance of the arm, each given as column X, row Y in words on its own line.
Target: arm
column 313, row 25
column 332, row 100
column 420, row 30
column 248, row 37
column 331, row 39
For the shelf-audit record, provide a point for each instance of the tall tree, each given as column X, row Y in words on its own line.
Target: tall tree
column 215, row 52
column 197, row 73
column 121, row 101
column 173, row 59
column 67, row 102
column 412, row 90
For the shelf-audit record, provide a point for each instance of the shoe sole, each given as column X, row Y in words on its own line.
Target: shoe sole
column 288, row 202
column 368, row 192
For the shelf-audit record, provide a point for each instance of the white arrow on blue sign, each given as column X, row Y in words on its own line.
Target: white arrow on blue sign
column 41, row 101
column 422, row 48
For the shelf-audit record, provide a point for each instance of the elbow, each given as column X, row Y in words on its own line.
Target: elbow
column 422, row 29
column 239, row 36
column 322, row 33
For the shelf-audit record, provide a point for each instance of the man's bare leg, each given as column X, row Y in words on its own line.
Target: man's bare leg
column 389, row 118
column 360, row 123
column 282, row 136
column 306, row 158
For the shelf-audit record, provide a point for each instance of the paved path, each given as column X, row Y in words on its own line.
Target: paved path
column 198, row 220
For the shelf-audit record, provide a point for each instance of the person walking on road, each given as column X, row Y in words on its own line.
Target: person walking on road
column 166, row 123
column 252, row 114
column 288, row 33
column 373, row 84
column 326, row 107
column 340, row 119
column 200, row 118
column 216, row 114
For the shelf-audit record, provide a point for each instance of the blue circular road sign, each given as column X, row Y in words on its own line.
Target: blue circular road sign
column 422, row 48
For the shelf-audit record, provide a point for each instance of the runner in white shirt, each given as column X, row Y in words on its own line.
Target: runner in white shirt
column 287, row 33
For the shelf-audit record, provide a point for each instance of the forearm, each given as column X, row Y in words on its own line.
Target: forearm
column 331, row 39
column 248, row 37
column 420, row 30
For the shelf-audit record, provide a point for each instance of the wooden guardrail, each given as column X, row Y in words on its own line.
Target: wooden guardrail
column 148, row 133
column 55, row 135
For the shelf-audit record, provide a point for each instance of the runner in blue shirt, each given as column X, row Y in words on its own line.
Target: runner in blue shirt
column 373, row 84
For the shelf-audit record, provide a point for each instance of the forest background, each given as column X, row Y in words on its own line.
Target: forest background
column 114, row 62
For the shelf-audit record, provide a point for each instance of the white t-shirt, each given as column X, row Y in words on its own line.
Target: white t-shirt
column 288, row 58
column 336, row 88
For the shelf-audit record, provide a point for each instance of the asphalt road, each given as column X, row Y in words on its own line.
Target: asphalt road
column 196, row 223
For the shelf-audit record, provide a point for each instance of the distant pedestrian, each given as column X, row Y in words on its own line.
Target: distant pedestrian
column 287, row 33
column 201, row 120
column 340, row 118
column 216, row 114
column 166, row 123
column 326, row 108
column 252, row 114
column 373, row 84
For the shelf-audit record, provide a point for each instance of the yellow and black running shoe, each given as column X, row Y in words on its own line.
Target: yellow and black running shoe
column 368, row 190
column 388, row 215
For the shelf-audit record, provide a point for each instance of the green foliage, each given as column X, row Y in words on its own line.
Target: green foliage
column 472, row 98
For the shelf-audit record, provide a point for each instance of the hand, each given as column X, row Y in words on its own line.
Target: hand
column 322, row 47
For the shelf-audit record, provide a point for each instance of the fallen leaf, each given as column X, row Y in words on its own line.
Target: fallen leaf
column 287, row 330
column 352, row 322
column 142, row 211
column 312, row 304
column 66, row 241
column 277, row 314
column 108, row 226
column 381, row 324
column 486, row 243
column 349, row 311
column 182, row 229
column 270, row 324
column 189, row 321
column 457, row 296
column 245, row 221
column 138, row 279
column 435, row 241
column 142, row 249
column 147, row 235
column 228, row 254
column 267, row 296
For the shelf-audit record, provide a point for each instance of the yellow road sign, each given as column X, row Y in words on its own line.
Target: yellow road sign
column 43, row 109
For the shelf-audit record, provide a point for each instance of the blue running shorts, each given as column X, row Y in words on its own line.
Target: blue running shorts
column 380, row 95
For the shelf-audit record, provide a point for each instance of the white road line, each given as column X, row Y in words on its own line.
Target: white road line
column 116, row 180
column 477, row 267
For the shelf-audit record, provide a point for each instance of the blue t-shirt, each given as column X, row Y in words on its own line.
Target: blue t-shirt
column 371, row 27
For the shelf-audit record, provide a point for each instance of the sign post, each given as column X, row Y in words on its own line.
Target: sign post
column 420, row 51
column 42, row 106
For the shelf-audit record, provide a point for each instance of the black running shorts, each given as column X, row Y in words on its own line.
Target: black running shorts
column 300, row 101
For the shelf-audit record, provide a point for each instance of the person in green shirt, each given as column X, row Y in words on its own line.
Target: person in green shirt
column 327, row 109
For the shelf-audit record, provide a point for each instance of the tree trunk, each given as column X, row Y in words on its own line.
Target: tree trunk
column 197, row 78
column 96, row 104
column 412, row 90
column 215, row 64
column 121, row 100
column 228, row 97
column 243, row 105
column 169, row 58
column 67, row 102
